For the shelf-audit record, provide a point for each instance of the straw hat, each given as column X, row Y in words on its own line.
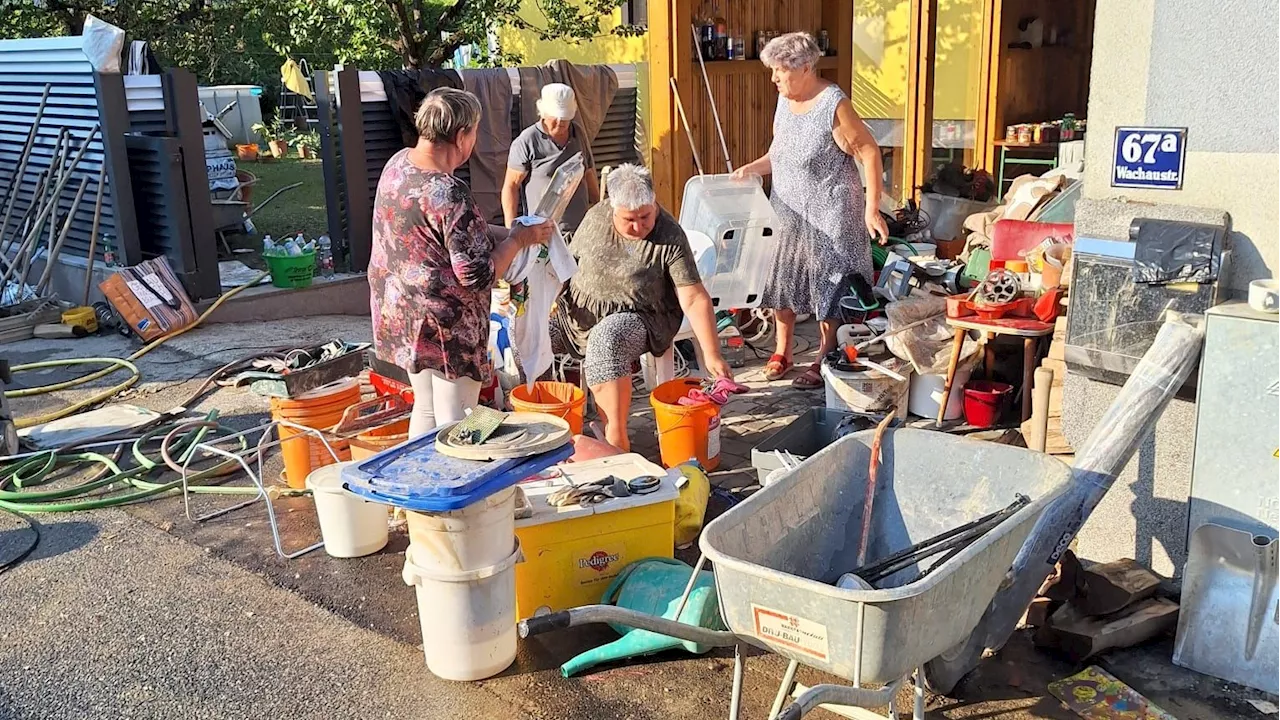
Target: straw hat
column 557, row 102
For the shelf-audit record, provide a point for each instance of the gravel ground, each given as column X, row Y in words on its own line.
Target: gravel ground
column 113, row 618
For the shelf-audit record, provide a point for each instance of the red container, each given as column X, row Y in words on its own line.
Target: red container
column 984, row 402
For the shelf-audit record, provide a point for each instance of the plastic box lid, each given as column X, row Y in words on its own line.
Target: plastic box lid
column 625, row 467
column 416, row 477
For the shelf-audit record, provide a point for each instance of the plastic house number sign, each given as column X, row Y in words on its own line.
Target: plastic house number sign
column 1152, row 158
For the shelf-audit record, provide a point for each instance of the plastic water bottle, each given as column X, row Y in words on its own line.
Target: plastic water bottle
column 324, row 256
column 291, row 248
column 269, row 246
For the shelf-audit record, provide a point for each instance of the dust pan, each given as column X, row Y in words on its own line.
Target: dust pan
column 1227, row 627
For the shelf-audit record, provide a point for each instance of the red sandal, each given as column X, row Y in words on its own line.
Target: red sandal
column 811, row 379
column 777, row 368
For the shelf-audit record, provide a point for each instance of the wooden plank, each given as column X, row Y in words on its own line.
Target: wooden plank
column 842, row 41
column 920, row 83
column 1111, row 587
column 989, row 125
column 663, row 123
column 1081, row 636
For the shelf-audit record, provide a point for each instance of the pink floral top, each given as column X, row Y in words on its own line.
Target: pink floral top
column 430, row 273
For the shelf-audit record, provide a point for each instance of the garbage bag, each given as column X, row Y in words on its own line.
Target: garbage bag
column 1173, row 252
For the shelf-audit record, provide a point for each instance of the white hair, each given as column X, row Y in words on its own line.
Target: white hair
column 630, row 187
column 793, row 51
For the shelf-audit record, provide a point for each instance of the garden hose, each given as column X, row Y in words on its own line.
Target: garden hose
column 116, row 364
column 177, row 441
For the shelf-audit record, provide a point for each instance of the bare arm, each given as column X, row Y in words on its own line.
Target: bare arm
column 853, row 137
column 761, row 166
column 511, row 195
column 696, row 303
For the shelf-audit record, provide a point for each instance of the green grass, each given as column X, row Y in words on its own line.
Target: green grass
column 299, row 210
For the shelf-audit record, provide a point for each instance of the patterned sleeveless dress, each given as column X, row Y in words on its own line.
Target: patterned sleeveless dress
column 820, row 200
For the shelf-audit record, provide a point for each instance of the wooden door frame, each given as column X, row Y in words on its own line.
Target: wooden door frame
column 918, row 137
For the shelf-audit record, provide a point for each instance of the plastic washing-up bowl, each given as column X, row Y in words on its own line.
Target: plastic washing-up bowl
column 984, row 402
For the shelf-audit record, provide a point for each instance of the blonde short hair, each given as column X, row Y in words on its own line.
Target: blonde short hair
column 444, row 113
column 793, row 51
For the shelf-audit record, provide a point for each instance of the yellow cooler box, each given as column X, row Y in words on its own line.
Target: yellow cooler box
column 572, row 553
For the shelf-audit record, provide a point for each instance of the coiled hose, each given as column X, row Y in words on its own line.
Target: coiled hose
column 115, row 364
column 150, row 474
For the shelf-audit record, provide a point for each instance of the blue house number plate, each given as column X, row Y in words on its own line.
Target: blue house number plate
column 1149, row 158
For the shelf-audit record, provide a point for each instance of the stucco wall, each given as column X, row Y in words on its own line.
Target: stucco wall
column 1209, row 66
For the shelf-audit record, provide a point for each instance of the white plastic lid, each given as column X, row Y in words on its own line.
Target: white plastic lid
column 327, row 478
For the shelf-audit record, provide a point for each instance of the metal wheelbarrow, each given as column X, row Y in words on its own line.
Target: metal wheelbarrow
column 778, row 554
column 232, row 215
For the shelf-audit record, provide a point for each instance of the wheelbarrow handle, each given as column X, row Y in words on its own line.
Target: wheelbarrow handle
column 819, row 695
column 593, row 614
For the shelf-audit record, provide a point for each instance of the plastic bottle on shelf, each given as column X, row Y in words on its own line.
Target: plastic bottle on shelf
column 324, row 256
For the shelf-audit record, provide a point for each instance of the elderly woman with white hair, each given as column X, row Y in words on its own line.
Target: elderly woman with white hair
column 540, row 150
column 636, row 282
column 434, row 263
column 827, row 213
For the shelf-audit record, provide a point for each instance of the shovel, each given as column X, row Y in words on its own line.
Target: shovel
column 1227, row 627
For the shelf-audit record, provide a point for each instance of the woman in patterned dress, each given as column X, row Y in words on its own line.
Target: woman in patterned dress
column 434, row 262
column 825, row 219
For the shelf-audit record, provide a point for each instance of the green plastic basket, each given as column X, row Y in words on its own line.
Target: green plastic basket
column 291, row 271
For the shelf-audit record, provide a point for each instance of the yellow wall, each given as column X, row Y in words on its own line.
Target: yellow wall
column 608, row 49
column 882, row 54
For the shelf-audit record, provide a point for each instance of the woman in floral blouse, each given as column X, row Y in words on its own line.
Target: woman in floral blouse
column 434, row 262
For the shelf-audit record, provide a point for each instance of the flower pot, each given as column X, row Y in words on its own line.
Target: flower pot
column 247, row 152
column 306, row 152
column 279, row 148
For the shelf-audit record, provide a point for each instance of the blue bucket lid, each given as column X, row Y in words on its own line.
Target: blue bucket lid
column 415, row 476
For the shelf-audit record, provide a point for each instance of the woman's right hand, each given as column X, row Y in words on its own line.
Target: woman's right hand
column 742, row 172
column 530, row 235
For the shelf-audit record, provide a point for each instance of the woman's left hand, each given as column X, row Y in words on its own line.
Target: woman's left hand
column 876, row 226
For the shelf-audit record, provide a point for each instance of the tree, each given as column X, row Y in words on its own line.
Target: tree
column 236, row 41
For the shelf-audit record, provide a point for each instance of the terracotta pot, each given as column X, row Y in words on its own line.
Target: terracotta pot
column 305, row 152
column 279, row 148
column 247, row 152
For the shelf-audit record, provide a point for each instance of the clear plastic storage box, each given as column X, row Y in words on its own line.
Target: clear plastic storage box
column 738, row 218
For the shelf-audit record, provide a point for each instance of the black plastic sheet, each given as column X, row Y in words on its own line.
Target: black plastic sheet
column 1176, row 252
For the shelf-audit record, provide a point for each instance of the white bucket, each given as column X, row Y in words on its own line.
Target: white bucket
column 866, row 391
column 468, row 617
column 476, row 536
column 926, row 394
column 351, row 526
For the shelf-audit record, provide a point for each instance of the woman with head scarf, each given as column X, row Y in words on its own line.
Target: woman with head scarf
column 540, row 150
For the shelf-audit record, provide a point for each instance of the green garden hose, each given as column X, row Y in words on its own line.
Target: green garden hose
column 178, row 441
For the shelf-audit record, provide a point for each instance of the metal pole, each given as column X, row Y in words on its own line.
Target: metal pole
column 688, row 131
column 735, row 699
column 711, row 100
column 93, row 234
column 11, row 195
column 56, row 250
column 788, row 680
column 688, row 588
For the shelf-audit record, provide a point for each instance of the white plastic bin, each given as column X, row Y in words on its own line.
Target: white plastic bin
column 468, row 617
column 947, row 214
column 737, row 217
column 926, row 394
column 868, row 391
column 351, row 526
column 476, row 536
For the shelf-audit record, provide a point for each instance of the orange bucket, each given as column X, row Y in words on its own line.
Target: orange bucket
column 367, row 444
column 320, row 409
column 686, row 431
column 564, row 400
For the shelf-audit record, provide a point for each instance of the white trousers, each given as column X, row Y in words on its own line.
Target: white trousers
column 439, row 401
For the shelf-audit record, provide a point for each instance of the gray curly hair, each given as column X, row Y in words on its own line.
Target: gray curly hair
column 793, row 51
column 630, row 187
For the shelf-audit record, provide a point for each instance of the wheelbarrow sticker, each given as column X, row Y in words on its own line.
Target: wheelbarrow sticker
column 791, row 631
